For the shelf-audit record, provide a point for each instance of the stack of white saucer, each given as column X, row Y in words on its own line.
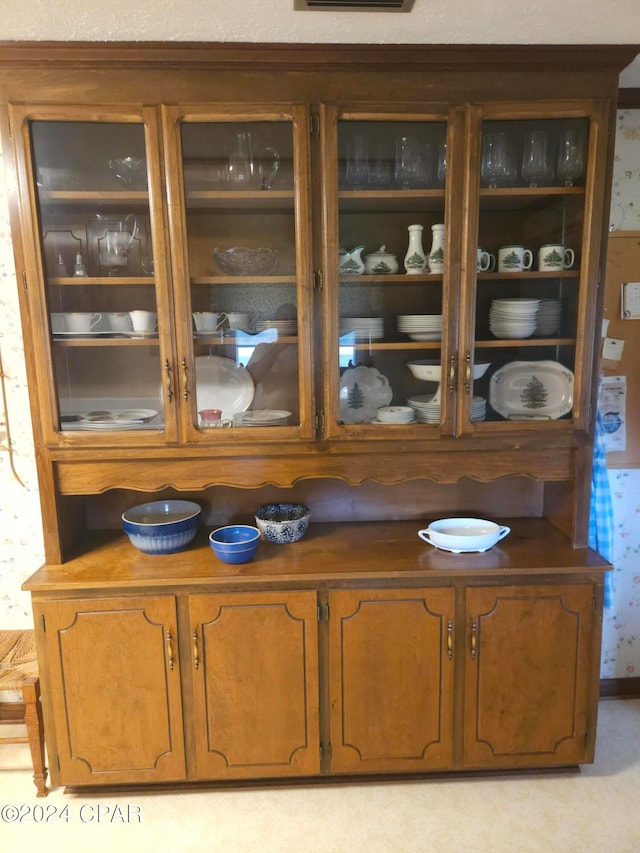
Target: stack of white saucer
column 548, row 317
column 421, row 327
column 285, row 328
column 364, row 328
column 513, row 318
column 479, row 409
column 427, row 408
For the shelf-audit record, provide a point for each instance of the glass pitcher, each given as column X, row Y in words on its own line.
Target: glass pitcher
column 248, row 170
column 117, row 236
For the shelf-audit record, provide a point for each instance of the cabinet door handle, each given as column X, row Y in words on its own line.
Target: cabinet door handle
column 474, row 639
column 185, row 380
column 196, row 659
column 170, row 649
column 467, row 383
column 450, row 639
column 452, row 373
column 167, row 379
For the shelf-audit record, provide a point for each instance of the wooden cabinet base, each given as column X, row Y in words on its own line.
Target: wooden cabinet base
column 359, row 651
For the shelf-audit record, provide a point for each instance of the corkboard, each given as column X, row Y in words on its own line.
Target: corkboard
column 623, row 264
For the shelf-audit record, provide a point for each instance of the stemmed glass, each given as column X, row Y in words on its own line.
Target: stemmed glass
column 536, row 167
column 570, row 157
column 495, row 161
column 406, row 161
column 442, row 162
column 357, row 173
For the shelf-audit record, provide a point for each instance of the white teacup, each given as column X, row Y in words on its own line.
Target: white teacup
column 81, row 321
column 239, row 320
column 514, row 259
column 486, row 262
column 119, row 321
column 144, row 321
column 208, row 321
column 553, row 257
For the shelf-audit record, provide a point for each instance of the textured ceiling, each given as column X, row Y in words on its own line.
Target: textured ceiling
column 430, row 22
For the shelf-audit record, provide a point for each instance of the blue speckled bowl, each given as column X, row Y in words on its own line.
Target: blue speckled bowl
column 282, row 523
column 162, row 527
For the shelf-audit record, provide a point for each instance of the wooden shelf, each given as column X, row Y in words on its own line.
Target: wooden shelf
column 243, row 279
column 250, row 199
column 526, row 342
column 103, row 341
column 370, row 201
column 84, row 280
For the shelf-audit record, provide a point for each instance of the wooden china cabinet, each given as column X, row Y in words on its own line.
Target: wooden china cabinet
column 132, row 171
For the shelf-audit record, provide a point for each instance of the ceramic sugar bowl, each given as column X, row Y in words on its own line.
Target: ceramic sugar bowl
column 381, row 262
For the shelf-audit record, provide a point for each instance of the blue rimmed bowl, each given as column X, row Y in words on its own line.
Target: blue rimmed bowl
column 162, row 527
column 283, row 522
column 235, row 543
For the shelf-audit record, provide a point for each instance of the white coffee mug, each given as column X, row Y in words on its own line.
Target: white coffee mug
column 486, row 262
column 239, row 320
column 553, row 257
column 119, row 321
column 208, row 321
column 144, row 321
column 82, row 321
column 514, row 259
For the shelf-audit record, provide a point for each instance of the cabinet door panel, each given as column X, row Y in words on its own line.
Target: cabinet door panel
column 527, row 676
column 256, row 684
column 391, row 679
column 115, row 685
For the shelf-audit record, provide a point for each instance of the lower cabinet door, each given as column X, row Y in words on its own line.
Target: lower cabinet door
column 115, row 689
column 529, row 669
column 255, row 675
column 391, row 679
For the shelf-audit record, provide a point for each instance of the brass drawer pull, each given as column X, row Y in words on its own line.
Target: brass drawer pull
column 450, row 639
column 196, row 659
column 474, row 639
column 170, row 649
column 185, row 380
column 167, row 372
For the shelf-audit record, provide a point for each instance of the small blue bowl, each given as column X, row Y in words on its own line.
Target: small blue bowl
column 236, row 543
column 162, row 527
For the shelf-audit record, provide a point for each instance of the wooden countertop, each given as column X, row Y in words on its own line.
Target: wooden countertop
column 329, row 553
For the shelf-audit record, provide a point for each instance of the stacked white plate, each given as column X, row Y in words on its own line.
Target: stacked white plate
column 426, row 408
column 479, row 409
column 261, row 418
column 364, row 328
column 548, row 317
column 421, row 327
column 513, row 318
column 285, row 328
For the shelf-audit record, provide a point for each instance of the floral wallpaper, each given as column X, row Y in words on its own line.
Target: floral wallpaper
column 625, row 195
column 21, row 547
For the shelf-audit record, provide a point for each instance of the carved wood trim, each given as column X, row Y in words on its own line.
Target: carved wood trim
column 353, row 57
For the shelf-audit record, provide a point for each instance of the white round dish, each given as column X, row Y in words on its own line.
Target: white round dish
column 222, row 383
column 533, row 390
column 363, row 390
column 463, row 535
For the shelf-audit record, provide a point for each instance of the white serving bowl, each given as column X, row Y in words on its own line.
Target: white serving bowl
column 426, row 370
column 463, row 534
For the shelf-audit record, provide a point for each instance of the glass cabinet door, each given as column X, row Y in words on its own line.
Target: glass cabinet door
column 103, row 303
column 387, row 244
column 528, row 298
column 241, row 272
